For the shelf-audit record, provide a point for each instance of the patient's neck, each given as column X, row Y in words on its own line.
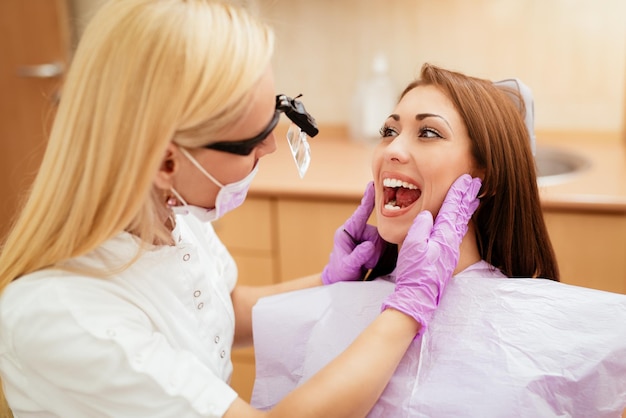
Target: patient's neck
column 469, row 250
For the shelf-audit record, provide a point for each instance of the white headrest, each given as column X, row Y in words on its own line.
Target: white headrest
column 527, row 96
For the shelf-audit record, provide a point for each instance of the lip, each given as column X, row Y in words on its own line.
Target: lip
column 390, row 213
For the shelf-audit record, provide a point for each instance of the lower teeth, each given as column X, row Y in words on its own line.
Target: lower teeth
column 392, row 206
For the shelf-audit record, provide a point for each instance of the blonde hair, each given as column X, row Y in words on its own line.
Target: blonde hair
column 145, row 73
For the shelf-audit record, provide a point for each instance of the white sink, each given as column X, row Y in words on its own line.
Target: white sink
column 555, row 165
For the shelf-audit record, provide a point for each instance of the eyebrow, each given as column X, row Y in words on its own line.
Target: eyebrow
column 421, row 116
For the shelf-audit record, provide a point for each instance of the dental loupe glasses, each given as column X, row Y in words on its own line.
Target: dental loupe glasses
column 303, row 125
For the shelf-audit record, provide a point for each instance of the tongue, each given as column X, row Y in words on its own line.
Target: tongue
column 390, row 194
column 404, row 197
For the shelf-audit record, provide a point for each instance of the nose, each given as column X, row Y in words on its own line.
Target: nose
column 397, row 150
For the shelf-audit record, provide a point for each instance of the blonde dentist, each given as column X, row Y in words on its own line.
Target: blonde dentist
column 118, row 299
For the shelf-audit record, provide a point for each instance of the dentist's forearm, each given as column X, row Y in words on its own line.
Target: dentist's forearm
column 351, row 384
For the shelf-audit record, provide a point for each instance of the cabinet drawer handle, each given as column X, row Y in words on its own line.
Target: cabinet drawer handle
column 49, row 70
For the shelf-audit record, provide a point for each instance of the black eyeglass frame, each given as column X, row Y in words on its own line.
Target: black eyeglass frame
column 292, row 108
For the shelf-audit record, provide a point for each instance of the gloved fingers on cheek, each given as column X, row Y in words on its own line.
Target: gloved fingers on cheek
column 462, row 192
column 370, row 233
column 472, row 208
column 433, row 255
column 451, row 207
column 469, row 201
column 451, row 221
column 421, row 228
column 340, row 233
column 462, row 184
column 457, row 214
column 344, row 237
column 354, row 225
column 416, row 241
column 411, row 253
column 369, row 195
column 344, row 247
column 369, row 253
column 474, row 187
column 449, row 238
column 367, row 201
column 362, row 213
column 362, row 255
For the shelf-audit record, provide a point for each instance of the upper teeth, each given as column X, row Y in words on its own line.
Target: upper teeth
column 398, row 183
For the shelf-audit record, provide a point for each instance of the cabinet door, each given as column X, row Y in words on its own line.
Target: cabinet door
column 32, row 33
column 305, row 234
column 590, row 248
column 34, row 50
column 244, row 372
column 247, row 233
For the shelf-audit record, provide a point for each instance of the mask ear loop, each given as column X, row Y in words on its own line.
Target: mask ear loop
column 172, row 202
column 199, row 167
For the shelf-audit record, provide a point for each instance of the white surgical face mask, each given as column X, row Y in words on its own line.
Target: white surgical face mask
column 229, row 197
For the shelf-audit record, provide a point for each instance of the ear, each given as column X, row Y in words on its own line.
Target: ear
column 164, row 178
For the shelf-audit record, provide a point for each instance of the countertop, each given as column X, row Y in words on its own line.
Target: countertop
column 340, row 169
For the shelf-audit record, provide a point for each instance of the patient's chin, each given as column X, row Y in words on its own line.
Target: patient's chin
column 393, row 235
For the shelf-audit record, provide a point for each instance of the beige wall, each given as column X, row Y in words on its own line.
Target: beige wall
column 572, row 53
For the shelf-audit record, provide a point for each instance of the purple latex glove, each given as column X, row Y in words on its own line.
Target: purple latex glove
column 357, row 246
column 429, row 254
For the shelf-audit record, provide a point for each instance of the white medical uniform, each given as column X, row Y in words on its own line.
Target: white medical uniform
column 153, row 340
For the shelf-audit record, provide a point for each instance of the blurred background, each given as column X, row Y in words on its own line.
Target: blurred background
column 572, row 53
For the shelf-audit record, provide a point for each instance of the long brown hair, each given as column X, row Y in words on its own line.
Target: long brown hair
column 511, row 231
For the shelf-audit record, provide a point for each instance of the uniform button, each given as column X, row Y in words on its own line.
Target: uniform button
column 222, row 354
column 186, row 257
column 200, row 305
column 217, row 339
column 197, row 293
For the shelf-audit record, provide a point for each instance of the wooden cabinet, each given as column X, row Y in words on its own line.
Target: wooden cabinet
column 590, row 248
column 249, row 235
column 273, row 240
column 305, row 234
column 278, row 239
column 35, row 50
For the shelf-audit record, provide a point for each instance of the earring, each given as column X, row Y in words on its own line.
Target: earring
column 171, row 201
column 175, row 200
column 169, row 198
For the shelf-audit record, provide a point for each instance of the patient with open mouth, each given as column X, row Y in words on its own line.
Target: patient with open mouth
column 495, row 346
column 447, row 124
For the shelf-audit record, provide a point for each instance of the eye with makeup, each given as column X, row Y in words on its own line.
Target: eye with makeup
column 425, row 131
column 387, row 131
column 429, row 133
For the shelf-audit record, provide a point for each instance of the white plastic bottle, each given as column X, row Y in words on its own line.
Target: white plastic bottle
column 373, row 102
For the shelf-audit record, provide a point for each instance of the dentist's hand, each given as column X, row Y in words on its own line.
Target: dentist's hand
column 357, row 245
column 429, row 254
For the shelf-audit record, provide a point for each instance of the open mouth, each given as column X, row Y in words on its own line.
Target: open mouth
column 399, row 194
